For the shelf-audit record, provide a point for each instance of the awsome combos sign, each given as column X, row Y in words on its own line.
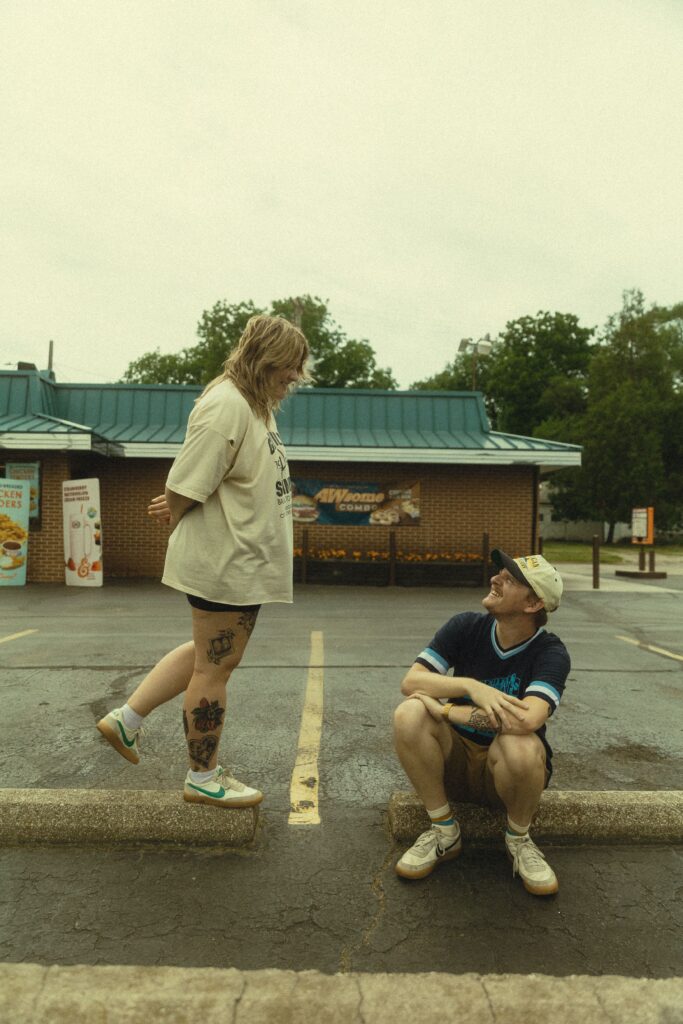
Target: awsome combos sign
column 355, row 504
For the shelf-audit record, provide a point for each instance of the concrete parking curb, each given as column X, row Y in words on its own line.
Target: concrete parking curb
column 136, row 995
column 90, row 816
column 115, row 816
column 611, row 815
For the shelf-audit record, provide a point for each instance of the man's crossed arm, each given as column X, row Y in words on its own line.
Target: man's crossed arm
column 493, row 710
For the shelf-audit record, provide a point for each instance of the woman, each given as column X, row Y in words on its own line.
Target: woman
column 228, row 503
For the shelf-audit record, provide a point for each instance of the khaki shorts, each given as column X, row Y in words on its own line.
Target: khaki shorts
column 467, row 776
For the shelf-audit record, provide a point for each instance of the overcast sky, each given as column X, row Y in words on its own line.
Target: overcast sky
column 433, row 169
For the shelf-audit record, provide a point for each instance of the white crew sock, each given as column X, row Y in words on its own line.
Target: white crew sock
column 131, row 719
column 201, row 777
column 442, row 818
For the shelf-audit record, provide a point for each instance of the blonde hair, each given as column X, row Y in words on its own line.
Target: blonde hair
column 267, row 343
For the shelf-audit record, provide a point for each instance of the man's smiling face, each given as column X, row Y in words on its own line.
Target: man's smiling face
column 508, row 596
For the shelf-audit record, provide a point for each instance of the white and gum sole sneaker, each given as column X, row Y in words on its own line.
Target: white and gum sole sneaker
column 125, row 741
column 221, row 791
column 430, row 850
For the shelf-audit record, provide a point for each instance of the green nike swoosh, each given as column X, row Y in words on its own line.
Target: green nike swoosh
column 216, row 796
column 129, row 743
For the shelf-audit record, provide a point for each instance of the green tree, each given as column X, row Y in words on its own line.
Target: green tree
column 338, row 361
column 462, row 374
column 631, row 428
column 218, row 330
column 535, row 373
column 538, row 372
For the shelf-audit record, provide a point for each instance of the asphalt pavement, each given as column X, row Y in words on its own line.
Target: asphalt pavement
column 324, row 896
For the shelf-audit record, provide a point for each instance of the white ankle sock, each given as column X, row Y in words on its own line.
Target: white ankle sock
column 200, row 777
column 443, row 819
column 131, row 719
column 517, row 831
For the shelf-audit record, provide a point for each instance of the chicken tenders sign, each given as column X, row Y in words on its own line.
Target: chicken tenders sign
column 14, row 507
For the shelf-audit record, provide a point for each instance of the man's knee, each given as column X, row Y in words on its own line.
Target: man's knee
column 517, row 754
column 410, row 717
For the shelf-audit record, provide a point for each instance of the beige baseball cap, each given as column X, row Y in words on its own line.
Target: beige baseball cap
column 535, row 572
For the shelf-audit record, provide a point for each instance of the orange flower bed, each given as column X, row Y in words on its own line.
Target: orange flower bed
column 339, row 554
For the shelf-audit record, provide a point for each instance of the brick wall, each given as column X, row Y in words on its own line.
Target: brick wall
column 133, row 545
column 458, row 504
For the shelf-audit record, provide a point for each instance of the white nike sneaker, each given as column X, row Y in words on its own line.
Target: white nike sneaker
column 427, row 852
column 530, row 864
column 222, row 791
column 123, row 739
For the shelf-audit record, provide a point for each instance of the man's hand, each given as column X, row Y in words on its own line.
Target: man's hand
column 500, row 708
column 158, row 509
column 433, row 706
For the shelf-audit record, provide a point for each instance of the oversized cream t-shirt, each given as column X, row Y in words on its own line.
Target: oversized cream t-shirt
column 235, row 547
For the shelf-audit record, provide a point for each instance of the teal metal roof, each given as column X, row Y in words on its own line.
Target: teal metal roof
column 130, row 413
column 315, row 423
column 28, row 423
column 341, row 417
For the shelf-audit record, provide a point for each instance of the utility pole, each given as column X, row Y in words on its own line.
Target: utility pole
column 475, row 348
column 50, row 355
column 297, row 312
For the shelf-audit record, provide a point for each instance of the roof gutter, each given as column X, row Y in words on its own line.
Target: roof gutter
column 443, row 456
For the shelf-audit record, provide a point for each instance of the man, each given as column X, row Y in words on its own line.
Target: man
column 486, row 744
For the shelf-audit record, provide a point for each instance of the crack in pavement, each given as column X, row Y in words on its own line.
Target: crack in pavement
column 377, row 888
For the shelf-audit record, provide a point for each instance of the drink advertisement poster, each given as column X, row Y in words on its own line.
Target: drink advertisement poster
column 14, row 506
column 355, row 504
column 27, row 471
column 82, row 533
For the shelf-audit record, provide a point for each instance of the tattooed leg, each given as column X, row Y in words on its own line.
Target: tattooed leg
column 247, row 621
column 201, row 752
column 220, row 639
column 220, row 646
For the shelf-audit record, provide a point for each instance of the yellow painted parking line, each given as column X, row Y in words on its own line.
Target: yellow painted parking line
column 303, row 791
column 651, row 647
column 15, row 636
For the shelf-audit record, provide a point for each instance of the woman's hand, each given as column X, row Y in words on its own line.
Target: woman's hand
column 158, row 509
column 500, row 707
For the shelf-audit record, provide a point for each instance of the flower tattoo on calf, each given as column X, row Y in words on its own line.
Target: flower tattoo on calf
column 208, row 716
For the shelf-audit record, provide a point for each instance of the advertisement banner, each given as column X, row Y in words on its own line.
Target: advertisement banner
column 14, row 505
column 27, row 471
column 355, row 504
column 82, row 533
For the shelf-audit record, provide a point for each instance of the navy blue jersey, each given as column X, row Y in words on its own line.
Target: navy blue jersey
column 536, row 668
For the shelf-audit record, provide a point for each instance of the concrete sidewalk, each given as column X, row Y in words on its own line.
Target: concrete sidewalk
column 134, row 995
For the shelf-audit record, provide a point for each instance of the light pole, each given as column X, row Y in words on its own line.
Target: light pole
column 481, row 347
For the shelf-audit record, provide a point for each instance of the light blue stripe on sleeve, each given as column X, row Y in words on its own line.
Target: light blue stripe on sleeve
column 545, row 689
column 434, row 659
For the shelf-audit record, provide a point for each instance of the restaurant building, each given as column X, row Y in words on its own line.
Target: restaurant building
column 419, row 474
